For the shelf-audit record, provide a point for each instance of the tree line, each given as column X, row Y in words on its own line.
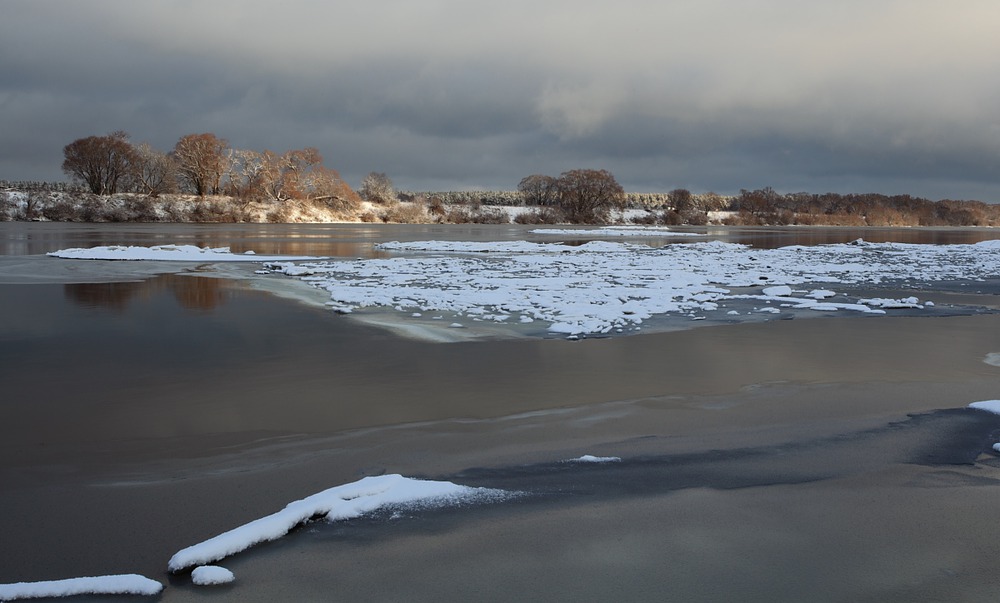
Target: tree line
column 201, row 164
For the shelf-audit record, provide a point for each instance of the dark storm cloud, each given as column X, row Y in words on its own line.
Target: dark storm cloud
column 850, row 96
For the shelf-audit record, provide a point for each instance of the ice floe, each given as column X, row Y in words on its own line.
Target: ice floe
column 119, row 584
column 337, row 503
column 604, row 286
column 211, row 575
column 992, row 406
column 617, row 231
column 589, row 458
column 172, row 253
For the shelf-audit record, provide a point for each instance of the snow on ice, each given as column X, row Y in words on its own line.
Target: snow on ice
column 617, row 231
column 589, row 458
column 211, row 575
column 337, row 503
column 174, row 253
column 120, row 584
column 992, row 406
column 604, row 286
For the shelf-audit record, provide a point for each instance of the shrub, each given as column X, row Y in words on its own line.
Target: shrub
column 405, row 213
column 540, row 215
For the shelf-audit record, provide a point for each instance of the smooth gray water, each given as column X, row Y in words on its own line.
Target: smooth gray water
column 357, row 240
column 143, row 412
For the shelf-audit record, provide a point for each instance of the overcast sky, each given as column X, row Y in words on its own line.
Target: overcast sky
column 891, row 96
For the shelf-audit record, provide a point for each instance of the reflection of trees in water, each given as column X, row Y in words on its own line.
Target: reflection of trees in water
column 191, row 292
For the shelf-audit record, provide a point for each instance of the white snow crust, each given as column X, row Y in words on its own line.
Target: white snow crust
column 174, row 253
column 617, row 231
column 120, row 584
column 992, row 406
column 605, row 286
column 337, row 503
column 589, row 458
column 210, row 575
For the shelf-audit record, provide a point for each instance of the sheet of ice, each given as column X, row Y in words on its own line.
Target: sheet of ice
column 119, row 584
column 605, row 286
column 589, row 458
column 337, row 503
column 617, row 231
column 176, row 253
column 211, row 575
column 992, row 406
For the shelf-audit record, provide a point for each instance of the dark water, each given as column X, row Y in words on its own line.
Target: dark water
column 357, row 240
column 175, row 367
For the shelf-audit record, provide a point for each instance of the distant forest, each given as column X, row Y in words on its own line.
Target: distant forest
column 64, row 201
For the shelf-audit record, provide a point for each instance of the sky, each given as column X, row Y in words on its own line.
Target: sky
column 888, row 96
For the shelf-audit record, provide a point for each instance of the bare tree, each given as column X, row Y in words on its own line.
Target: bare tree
column 588, row 196
column 377, row 188
column 202, row 161
column 250, row 173
column 100, row 162
column 539, row 189
column 155, row 172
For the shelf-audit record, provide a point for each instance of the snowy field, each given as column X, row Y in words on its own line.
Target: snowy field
column 607, row 287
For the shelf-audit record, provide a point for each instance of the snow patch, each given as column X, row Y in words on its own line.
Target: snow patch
column 589, row 458
column 337, row 503
column 120, row 584
column 992, row 406
column 173, row 253
column 617, row 231
column 210, row 575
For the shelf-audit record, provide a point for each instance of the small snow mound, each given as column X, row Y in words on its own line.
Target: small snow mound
column 992, row 406
column 208, row 575
column 589, row 458
column 778, row 291
column 120, row 584
column 346, row 501
column 996, row 447
column 992, row 359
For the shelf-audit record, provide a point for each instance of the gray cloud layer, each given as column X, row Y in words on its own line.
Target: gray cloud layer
column 885, row 95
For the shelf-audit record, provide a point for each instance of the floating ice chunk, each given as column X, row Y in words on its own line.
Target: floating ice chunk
column 820, row 294
column 617, row 231
column 992, row 406
column 892, row 304
column 770, row 310
column 174, row 253
column 607, row 285
column 119, row 584
column 209, row 575
column 589, row 458
column 996, row 447
column 340, row 502
column 778, row 291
